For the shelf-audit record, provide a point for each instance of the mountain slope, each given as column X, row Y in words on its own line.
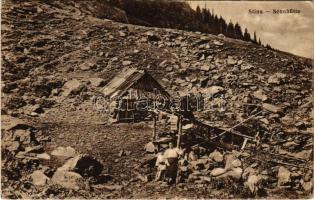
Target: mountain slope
column 60, row 41
column 46, row 44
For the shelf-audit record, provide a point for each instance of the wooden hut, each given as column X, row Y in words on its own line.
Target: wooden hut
column 134, row 92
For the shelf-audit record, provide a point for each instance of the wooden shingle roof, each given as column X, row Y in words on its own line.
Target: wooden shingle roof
column 129, row 77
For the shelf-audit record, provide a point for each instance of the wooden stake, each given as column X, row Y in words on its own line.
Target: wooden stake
column 179, row 131
column 208, row 134
column 154, row 128
column 244, row 143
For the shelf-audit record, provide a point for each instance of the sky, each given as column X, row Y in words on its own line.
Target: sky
column 292, row 33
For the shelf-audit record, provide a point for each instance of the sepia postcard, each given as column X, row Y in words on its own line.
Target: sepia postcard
column 157, row 99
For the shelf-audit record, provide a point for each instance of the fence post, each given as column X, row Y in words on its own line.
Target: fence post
column 179, row 131
column 154, row 128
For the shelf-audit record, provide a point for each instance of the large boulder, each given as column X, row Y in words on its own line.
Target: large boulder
column 205, row 68
column 69, row 180
column 72, row 87
column 97, row 82
column 277, row 78
column 126, row 63
column 284, row 176
column 8, row 122
column 272, row 108
column 213, row 90
column 253, row 183
column 64, row 152
column 39, row 178
column 260, row 94
column 88, row 64
column 150, row 147
column 231, row 60
column 84, row 165
column 216, row 156
column 235, row 173
column 249, row 171
column 24, row 136
column 12, row 146
column 307, row 186
column 217, row 172
column 231, row 161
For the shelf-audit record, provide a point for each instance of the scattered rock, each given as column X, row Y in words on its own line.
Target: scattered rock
column 246, row 67
column 65, row 152
column 43, row 156
column 235, row 173
column 122, row 34
column 83, row 164
column 8, row 122
column 97, row 82
column 216, row 156
column 67, row 179
column 39, row 178
column 25, row 136
column 30, row 63
column 249, row 171
column 221, row 35
column 113, row 187
column 143, row 178
column 72, row 87
column 87, row 65
column 259, row 94
column 307, row 186
column 36, row 109
column 150, row 147
column 231, row 60
column 229, row 161
column 305, row 154
column 253, row 183
column 283, row 176
column 218, row 43
column 205, row 68
column 217, row 172
column 126, row 63
column 152, row 37
column 277, row 78
column 13, row 146
column 163, row 63
column 272, row 108
column 34, row 149
column 213, row 90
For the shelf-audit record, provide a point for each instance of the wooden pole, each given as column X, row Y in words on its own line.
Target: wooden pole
column 244, row 143
column 179, row 131
column 154, row 128
column 208, row 134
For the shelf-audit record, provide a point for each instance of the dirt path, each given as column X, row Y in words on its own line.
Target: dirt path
column 102, row 141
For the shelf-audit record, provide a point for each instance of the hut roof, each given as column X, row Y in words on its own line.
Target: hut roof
column 130, row 77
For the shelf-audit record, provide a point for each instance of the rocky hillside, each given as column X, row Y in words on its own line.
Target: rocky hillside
column 56, row 56
column 44, row 45
column 161, row 13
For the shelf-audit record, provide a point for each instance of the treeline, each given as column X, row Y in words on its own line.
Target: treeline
column 218, row 25
column 167, row 14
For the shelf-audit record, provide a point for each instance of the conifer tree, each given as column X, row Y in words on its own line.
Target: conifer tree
column 230, row 30
column 255, row 38
column 222, row 26
column 238, row 32
column 198, row 13
column 247, row 36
